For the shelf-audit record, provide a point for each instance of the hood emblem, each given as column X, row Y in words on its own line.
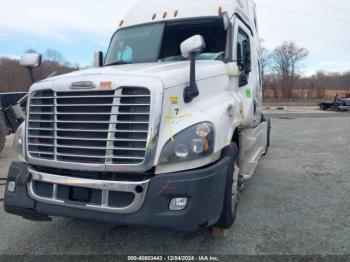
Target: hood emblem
column 83, row 85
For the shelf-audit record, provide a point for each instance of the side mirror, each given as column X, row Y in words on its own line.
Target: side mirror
column 193, row 45
column 98, row 59
column 246, row 57
column 244, row 62
column 191, row 48
column 31, row 60
column 240, row 62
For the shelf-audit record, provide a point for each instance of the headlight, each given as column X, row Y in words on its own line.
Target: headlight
column 18, row 142
column 194, row 142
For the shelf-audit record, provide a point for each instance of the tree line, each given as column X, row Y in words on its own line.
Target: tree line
column 15, row 78
column 281, row 73
column 282, row 78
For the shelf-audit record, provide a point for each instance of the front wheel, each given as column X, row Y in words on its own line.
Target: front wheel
column 228, row 216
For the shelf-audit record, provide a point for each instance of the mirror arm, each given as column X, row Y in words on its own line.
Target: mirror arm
column 192, row 91
column 31, row 74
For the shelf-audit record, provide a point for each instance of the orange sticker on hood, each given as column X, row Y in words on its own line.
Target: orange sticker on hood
column 106, row 85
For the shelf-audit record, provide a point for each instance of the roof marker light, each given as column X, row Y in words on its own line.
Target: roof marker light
column 176, row 13
column 154, row 16
column 165, row 14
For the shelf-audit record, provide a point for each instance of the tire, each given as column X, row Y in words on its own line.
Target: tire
column 228, row 216
column 2, row 136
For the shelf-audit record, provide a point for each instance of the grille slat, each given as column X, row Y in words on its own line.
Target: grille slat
column 94, row 113
column 88, row 130
column 97, row 156
column 97, row 127
column 87, row 105
column 87, row 147
column 41, row 153
column 88, row 139
column 87, row 122
column 62, row 97
column 41, row 144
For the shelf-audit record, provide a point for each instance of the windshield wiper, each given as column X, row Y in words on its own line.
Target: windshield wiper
column 119, row 63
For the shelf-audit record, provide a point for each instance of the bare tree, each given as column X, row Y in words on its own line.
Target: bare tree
column 14, row 77
column 271, row 86
column 264, row 60
column 54, row 56
column 286, row 63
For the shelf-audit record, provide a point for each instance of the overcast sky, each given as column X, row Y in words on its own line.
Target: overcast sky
column 80, row 27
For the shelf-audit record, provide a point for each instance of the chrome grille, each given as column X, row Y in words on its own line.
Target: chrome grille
column 97, row 127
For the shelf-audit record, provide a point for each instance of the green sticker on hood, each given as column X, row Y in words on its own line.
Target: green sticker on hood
column 248, row 93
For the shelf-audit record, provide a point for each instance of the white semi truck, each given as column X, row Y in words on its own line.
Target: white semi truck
column 163, row 132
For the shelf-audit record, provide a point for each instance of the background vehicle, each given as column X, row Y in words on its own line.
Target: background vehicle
column 12, row 105
column 11, row 114
column 339, row 104
column 163, row 133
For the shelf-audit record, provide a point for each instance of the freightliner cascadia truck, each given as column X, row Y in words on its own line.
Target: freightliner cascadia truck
column 164, row 131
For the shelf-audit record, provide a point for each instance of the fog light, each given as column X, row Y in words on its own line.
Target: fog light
column 178, row 204
column 11, row 187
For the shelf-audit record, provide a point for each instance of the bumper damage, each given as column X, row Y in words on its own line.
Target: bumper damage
column 204, row 189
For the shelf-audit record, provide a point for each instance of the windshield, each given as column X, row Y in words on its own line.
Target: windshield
column 161, row 42
column 136, row 45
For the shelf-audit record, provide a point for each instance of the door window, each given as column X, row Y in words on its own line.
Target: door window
column 243, row 56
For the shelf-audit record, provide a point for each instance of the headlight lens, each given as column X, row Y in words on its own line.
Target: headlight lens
column 19, row 143
column 193, row 143
column 182, row 151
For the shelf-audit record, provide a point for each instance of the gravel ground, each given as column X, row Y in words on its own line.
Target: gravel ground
column 296, row 204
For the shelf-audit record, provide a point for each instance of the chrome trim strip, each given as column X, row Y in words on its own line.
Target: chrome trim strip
column 104, row 186
column 112, row 127
column 55, row 127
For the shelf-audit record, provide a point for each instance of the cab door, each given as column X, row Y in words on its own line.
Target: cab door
column 249, row 86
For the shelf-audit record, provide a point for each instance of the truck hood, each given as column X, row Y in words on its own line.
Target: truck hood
column 170, row 73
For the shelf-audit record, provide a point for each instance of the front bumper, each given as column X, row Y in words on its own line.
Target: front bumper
column 344, row 108
column 203, row 187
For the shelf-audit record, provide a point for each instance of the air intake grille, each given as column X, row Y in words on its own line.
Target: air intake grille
column 97, row 127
